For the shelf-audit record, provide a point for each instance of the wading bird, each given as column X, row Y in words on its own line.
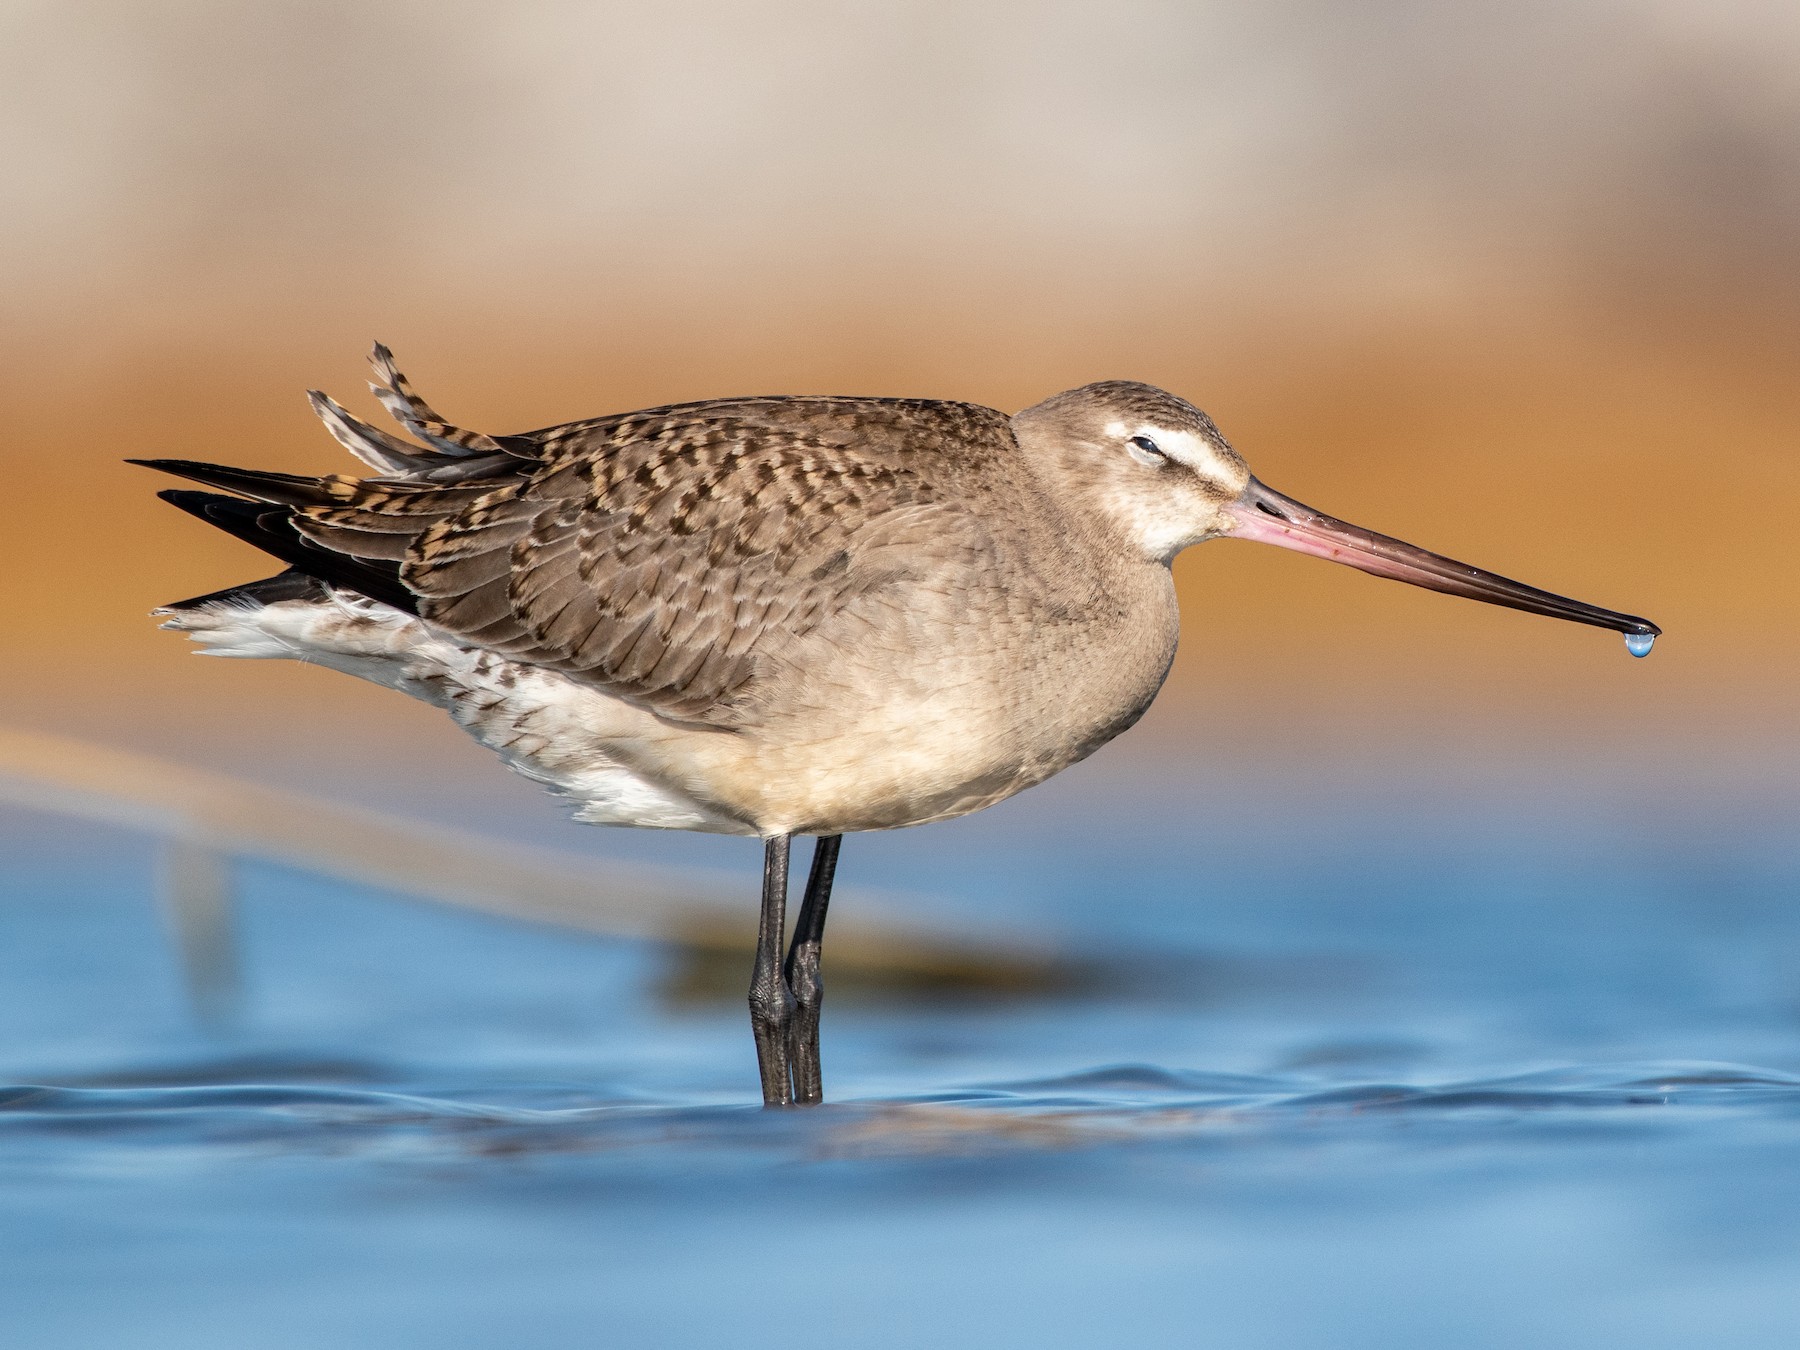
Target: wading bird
column 772, row 616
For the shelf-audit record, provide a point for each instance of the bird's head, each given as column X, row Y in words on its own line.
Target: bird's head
column 1150, row 466
column 1158, row 474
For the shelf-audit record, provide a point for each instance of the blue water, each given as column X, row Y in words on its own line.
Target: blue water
column 1499, row 1078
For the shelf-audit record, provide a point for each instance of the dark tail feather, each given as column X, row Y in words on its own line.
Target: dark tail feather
column 292, row 584
column 287, row 488
column 271, row 528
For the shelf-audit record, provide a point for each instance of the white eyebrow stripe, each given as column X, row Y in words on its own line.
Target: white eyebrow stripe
column 1200, row 455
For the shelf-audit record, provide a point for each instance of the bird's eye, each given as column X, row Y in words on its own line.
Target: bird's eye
column 1145, row 451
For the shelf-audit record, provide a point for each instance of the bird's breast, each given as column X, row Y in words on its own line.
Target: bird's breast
column 925, row 706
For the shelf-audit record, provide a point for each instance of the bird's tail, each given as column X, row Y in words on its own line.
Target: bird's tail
column 353, row 533
column 292, row 584
column 448, row 454
column 270, row 527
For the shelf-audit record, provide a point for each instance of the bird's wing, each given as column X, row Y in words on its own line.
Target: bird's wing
column 664, row 555
column 660, row 554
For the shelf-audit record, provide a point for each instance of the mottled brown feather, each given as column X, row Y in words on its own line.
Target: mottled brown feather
column 665, row 555
column 658, row 554
column 397, row 395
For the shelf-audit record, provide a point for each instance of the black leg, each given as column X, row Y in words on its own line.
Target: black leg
column 771, row 1003
column 802, row 972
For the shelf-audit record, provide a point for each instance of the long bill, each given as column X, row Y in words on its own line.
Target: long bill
column 1268, row 517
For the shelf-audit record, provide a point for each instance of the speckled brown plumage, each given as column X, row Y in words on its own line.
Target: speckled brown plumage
column 906, row 608
column 656, row 553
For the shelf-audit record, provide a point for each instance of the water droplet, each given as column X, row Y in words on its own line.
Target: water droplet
column 1639, row 644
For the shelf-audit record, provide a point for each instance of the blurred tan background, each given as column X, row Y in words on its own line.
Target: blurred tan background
column 1517, row 281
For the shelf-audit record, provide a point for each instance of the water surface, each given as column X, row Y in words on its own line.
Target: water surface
column 1349, row 1089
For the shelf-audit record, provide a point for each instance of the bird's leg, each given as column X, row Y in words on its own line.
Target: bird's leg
column 802, row 972
column 771, row 1002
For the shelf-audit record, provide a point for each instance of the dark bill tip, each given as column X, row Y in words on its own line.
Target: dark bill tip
column 1269, row 517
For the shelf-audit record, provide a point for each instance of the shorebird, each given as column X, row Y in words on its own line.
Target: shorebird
column 772, row 616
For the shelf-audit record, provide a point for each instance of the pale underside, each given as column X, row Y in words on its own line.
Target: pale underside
column 937, row 743
column 543, row 725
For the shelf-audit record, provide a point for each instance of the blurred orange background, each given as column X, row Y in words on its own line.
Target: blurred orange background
column 1513, row 281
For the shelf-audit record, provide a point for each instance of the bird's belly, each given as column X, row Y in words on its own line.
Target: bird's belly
column 940, row 728
column 886, row 775
column 921, row 750
column 870, row 743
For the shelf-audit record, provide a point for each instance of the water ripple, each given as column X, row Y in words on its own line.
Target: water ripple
column 1091, row 1107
